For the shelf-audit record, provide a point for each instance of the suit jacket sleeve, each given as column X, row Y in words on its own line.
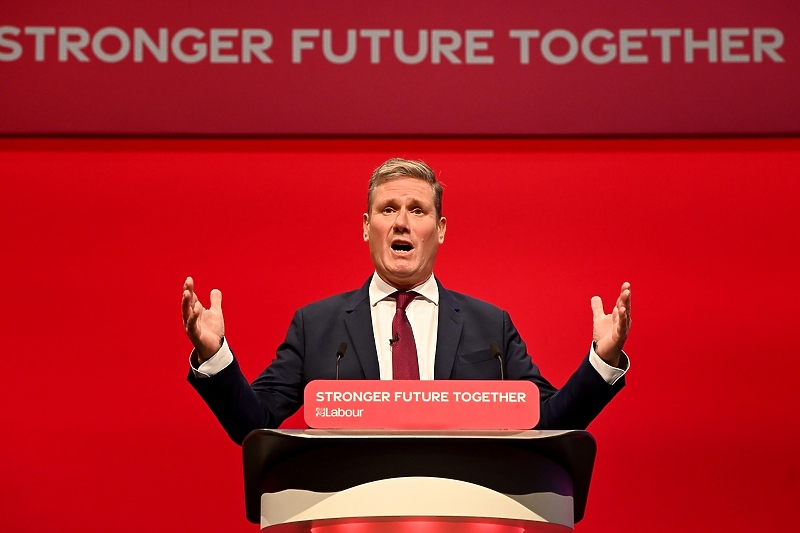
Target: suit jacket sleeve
column 573, row 406
column 274, row 396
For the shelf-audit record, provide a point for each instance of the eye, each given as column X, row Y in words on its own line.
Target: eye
column 388, row 210
column 417, row 211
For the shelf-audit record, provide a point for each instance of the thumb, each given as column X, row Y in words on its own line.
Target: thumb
column 597, row 307
column 216, row 300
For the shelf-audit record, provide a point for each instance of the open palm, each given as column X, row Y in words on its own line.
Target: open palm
column 204, row 327
column 609, row 332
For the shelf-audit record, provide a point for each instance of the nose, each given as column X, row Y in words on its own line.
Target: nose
column 401, row 222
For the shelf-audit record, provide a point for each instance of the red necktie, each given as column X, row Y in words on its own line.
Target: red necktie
column 404, row 348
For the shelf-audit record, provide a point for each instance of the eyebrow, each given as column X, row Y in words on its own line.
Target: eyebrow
column 394, row 200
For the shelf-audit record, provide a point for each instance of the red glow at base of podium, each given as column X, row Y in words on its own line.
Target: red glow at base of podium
column 421, row 525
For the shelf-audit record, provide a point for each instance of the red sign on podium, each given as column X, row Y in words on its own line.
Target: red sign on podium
column 438, row 404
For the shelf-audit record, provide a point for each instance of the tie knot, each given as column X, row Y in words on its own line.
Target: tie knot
column 404, row 298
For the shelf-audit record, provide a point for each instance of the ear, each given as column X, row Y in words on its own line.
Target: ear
column 365, row 225
column 442, row 229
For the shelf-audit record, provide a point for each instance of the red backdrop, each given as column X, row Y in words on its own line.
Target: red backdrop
column 101, row 431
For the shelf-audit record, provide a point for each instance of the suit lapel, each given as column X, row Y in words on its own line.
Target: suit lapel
column 448, row 335
column 358, row 321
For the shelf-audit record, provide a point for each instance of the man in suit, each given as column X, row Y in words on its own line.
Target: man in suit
column 402, row 324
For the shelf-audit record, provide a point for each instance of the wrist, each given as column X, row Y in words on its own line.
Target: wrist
column 611, row 355
column 204, row 353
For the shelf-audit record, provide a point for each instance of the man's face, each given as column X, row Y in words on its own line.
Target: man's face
column 403, row 231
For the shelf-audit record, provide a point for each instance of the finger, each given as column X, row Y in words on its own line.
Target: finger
column 619, row 329
column 188, row 299
column 194, row 315
column 623, row 327
column 597, row 307
column 624, row 303
column 186, row 305
column 624, row 319
column 192, row 299
column 216, row 300
column 625, row 294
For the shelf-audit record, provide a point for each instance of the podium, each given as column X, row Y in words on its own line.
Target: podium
column 432, row 481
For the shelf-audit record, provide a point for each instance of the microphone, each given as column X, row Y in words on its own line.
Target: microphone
column 496, row 352
column 395, row 340
column 339, row 355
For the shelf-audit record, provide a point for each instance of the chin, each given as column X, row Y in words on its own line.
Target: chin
column 401, row 271
column 407, row 280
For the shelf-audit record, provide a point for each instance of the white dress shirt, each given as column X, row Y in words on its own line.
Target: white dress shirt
column 422, row 313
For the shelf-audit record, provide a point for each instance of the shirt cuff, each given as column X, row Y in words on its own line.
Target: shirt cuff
column 610, row 374
column 214, row 365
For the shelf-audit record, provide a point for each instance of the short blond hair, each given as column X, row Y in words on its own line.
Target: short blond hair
column 396, row 168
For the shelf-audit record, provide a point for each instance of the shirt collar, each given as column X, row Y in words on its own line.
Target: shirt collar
column 380, row 290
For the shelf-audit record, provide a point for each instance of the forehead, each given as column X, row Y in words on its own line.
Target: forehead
column 404, row 189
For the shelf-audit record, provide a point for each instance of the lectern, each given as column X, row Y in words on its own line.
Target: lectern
column 370, row 480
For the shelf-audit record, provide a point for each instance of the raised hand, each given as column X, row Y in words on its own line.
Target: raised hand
column 204, row 327
column 610, row 331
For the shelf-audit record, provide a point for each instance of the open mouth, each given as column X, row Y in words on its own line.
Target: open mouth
column 401, row 247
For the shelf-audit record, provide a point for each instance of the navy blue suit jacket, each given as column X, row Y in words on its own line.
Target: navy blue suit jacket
column 467, row 327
